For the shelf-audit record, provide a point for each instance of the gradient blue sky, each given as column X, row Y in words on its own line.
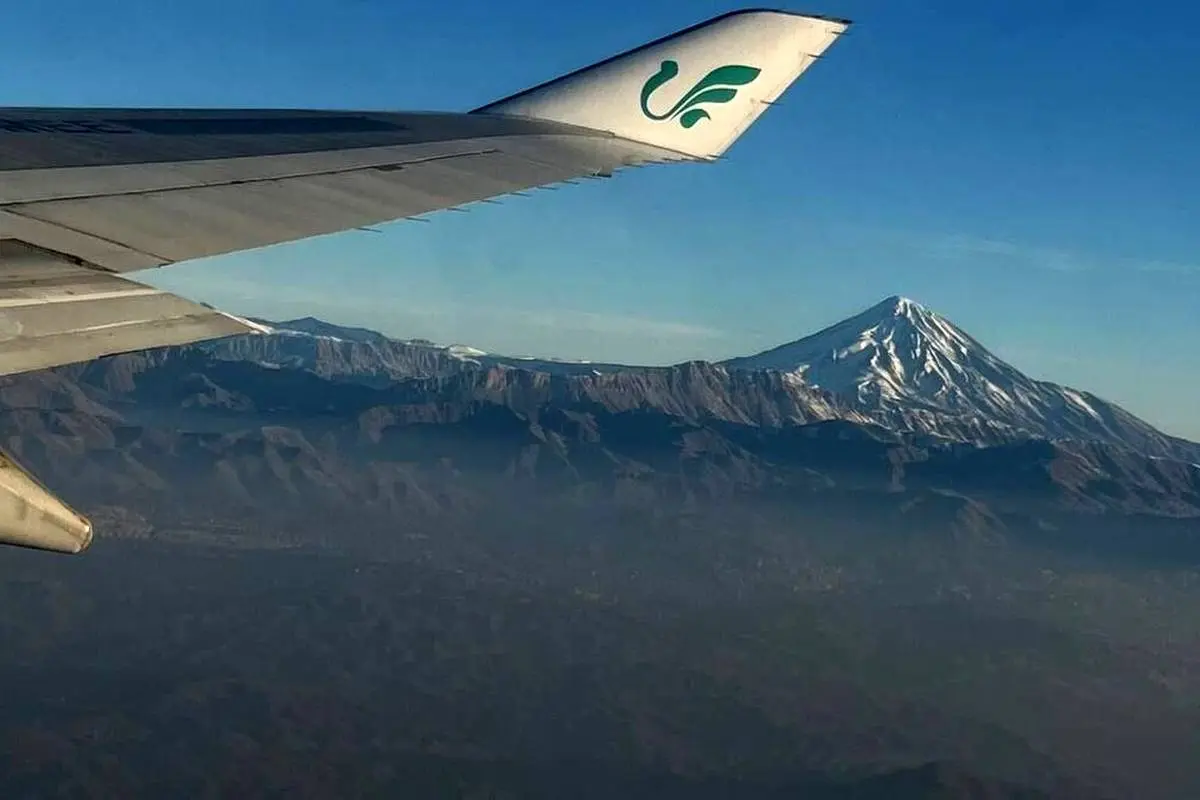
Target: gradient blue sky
column 1028, row 168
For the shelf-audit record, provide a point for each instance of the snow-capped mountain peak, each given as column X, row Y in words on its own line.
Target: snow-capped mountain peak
column 896, row 350
column 912, row 368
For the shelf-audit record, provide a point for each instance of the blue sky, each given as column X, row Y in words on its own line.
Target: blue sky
column 1026, row 168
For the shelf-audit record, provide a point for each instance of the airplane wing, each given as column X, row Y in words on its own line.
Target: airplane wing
column 89, row 194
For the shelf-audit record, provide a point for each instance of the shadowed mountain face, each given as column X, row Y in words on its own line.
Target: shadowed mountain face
column 876, row 563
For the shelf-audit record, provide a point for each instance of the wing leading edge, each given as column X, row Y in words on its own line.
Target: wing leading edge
column 87, row 194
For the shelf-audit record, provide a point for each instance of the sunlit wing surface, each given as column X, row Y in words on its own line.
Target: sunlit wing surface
column 86, row 194
column 259, row 178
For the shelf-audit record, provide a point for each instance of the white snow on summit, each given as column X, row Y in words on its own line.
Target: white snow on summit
column 465, row 352
column 898, row 350
column 914, row 368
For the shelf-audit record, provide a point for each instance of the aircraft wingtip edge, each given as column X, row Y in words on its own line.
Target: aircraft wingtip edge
column 787, row 11
column 719, row 58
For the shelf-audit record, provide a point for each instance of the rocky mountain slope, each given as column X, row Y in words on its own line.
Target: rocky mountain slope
column 178, row 434
column 365, row 355
column 897, row 364
column 910, row 368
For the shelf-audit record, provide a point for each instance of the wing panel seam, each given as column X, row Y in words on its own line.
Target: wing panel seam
column 391, row 167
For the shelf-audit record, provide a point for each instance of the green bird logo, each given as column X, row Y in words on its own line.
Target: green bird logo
column 715, row 87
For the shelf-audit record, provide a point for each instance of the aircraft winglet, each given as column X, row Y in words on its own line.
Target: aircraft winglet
column 694, row 92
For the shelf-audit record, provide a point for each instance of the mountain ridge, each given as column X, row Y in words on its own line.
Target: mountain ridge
column 748, row 432
column 912, row 368
column 896, row 363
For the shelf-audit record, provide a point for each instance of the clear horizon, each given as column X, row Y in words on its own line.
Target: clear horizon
column 1027, row 171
